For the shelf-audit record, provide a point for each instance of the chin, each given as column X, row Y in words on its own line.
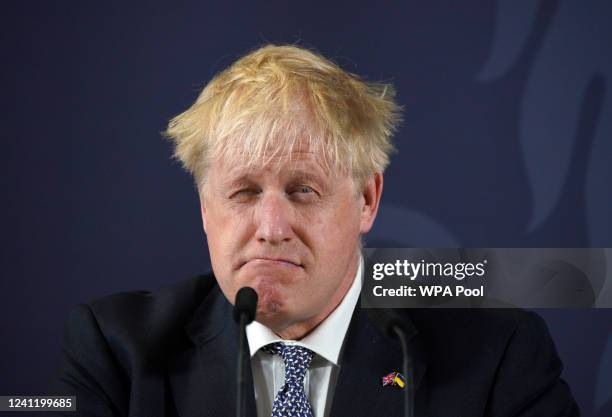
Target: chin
column 274, row 293
column 273, row 305
column 272, row 315
column 270, row 300
column 271, row 290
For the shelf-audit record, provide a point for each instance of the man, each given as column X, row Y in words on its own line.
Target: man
column 288, row 153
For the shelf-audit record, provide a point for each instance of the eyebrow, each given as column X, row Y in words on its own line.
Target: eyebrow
column 308, row 176
column 238, row 181
column 246, row 177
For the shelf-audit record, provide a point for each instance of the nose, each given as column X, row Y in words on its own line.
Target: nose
column 273, row 219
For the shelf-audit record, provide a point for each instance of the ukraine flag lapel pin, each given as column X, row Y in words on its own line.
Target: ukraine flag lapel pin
column 394, row 379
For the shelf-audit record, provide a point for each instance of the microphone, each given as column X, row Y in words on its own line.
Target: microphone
column 245, row 307
column 246, row 303
column 392, row 324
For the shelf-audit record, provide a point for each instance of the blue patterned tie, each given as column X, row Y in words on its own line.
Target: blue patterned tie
column 291, row 399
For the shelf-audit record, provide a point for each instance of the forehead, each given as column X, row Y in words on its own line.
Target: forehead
column 281, row 150
column 307, row 162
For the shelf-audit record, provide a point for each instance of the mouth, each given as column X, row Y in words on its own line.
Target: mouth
column 265, row 261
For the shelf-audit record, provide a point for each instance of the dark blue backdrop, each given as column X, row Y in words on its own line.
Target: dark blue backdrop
column 507, row 143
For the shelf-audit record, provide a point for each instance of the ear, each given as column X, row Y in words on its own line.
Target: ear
column 370, row 195
column 203, row 211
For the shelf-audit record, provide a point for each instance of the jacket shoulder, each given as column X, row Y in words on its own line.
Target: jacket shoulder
column 110, row 343
column 148, row 324
column 151, row 316
column 480, row 323
column 504, row 355
column 484, row 336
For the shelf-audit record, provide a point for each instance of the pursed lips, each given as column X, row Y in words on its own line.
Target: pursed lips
column 266, row 261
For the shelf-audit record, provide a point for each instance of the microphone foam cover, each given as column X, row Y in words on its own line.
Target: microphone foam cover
column 246, row 303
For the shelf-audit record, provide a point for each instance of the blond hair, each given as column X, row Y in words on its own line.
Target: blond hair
column 278, row 98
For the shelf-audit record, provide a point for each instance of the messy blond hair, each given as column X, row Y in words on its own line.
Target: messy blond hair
column 278, row 98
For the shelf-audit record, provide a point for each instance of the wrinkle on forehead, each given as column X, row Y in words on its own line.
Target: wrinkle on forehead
column 285, row 151
column 277, row 161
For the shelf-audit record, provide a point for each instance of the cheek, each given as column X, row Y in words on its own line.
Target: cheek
column 226, row 228
column 347, row 221
column 334, row 236
column 226, row 236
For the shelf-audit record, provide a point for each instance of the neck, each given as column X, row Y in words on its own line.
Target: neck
column 299, row 330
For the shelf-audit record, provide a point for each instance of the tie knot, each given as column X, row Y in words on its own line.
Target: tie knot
column 297, row 358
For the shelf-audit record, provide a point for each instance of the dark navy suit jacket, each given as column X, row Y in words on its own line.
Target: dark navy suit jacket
column 174, row 353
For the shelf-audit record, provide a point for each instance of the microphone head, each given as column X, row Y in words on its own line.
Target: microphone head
column 387, row 321
column 246, row 304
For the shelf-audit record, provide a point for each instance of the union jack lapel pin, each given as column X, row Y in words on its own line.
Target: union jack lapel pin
column 394, row 379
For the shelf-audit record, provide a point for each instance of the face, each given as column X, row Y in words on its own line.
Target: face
column 291, row 231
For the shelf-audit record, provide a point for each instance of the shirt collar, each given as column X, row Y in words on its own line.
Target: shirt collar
column 326, row 339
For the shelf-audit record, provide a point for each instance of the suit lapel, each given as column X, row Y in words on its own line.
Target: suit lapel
column 367, row 357
column 203, row 378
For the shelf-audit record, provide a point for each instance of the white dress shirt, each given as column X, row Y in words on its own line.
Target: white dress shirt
column 325, row 341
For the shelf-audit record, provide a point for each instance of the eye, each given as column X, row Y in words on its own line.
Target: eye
column 303, row 193
column 243, row 194
column 304, row 189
